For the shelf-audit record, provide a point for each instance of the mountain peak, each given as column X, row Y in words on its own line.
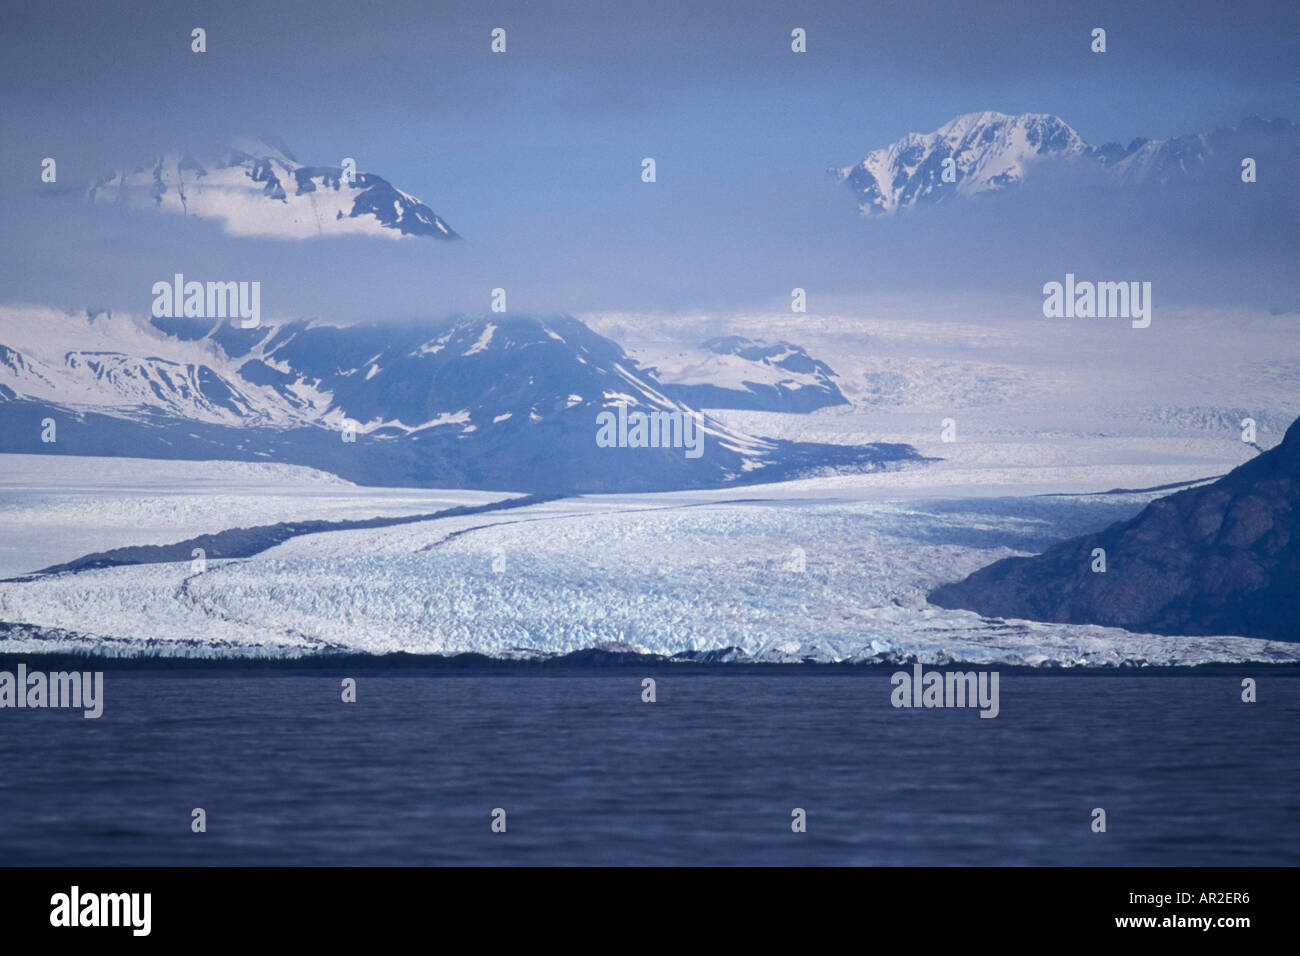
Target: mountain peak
column 970, row 154
column 266, row 145
column 258, row 188
column 988, row 152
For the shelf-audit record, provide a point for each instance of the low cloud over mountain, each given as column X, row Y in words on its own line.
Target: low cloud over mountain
column 258, row 188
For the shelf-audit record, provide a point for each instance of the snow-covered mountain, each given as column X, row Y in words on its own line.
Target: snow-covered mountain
column 258, row 188
column 991, row 152
column 121, row 365
column 493, row 402
column 733, row 371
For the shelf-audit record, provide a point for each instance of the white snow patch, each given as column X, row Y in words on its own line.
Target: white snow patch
column 483, row 340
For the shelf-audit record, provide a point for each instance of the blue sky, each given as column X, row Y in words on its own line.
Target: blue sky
column 541, row 147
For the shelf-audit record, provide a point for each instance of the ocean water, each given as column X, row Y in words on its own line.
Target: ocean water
column 588, row 773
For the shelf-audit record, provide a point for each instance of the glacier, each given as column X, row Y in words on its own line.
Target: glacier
column 798, row 573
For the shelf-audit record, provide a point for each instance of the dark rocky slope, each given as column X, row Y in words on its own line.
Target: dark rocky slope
column 1222, row 558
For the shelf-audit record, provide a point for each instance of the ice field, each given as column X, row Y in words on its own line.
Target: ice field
column 58, row 507
column 831, row 569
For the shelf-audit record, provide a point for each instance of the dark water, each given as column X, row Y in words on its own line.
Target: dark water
column 708, row 774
